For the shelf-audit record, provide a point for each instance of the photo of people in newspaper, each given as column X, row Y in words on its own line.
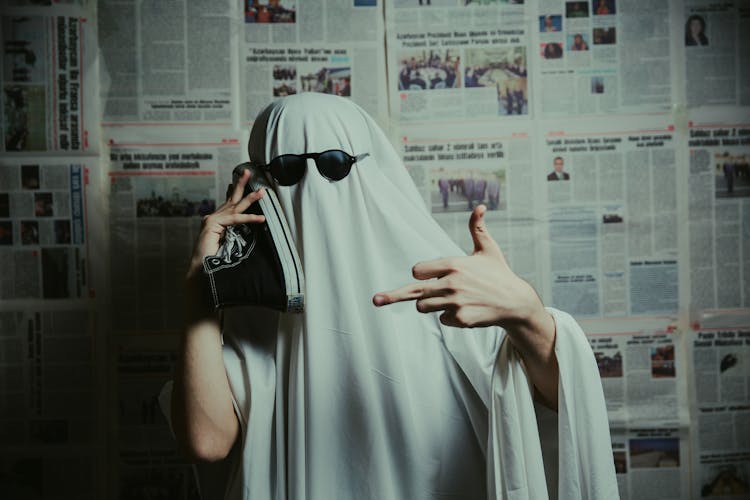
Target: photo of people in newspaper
column 578, row 42
column 609, row 366
column 24, row 112
column 24, row 50
column 460, row 190
column 284, row 80
column 654, row 452
column 24, row 63
column 551, row 50
column 732, row 174
column 271, row 12
column 605, row 36
column 662, row 361
column 505, row 70
column 604, row 7
column 695, row 31
column 429, row 69
column 171, row 196
column 576, row 9
column 550, row 23
column 335, row 80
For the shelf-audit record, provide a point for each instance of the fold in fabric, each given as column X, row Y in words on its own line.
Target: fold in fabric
column 351, row 401
column 576, row 442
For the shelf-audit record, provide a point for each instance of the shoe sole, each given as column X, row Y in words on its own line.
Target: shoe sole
column 294, row 278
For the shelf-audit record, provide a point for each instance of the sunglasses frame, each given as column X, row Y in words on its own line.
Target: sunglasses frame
column 273, row 165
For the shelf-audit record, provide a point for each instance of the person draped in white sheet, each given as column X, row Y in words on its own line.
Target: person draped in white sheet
column 351, row 399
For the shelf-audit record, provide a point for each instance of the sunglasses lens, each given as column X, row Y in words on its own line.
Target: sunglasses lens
column 287, row 169
column 334, row 165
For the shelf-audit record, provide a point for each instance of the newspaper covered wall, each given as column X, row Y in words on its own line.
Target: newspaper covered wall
column 159, row 193
column 608, row 139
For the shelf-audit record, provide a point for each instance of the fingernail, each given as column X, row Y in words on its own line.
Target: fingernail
column 378, row 300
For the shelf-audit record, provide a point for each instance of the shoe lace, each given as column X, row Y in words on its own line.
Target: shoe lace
column 233, row 244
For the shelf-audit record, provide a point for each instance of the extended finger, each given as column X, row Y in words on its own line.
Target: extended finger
column 225, row 220
column 434, row 268
column 239, row 187
column 230, row 190
column 448, row 318
column 432, row 304
column 412, row 291
column 249, row 200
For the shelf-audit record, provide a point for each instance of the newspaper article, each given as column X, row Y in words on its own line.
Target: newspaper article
column 332, row 46
column 611, row 211
column 651, row 463
column 643, row 375
column 167, row 62
column 449, row 60
column 717, row 52
column 48, row 77
column 719, row 215
column 458, row 167
column 159, row 193
column 721, row 411
column 277, row 71
column 50, row 430
column 149, row 463
column 604, row 56
column 44, row 240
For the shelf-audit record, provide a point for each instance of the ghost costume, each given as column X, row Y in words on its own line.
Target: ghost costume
column 347, row 400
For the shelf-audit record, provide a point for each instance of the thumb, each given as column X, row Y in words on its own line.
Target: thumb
column 483, row 242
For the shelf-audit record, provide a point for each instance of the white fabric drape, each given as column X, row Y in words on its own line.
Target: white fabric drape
column 350, row 401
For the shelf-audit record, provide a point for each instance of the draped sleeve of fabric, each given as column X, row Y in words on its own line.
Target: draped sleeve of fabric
column 525, row 443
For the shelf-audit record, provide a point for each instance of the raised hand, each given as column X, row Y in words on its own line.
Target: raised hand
column 481, row 290
column 228, row 214
column 475, row 290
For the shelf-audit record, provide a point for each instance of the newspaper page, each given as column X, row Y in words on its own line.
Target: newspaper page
column 168, row 62
column 652, row 463
column 610, row 192
column 44, row 229
column 720, row 406
column 643, row 376
column 719, row 214
column 50, row 423
column 453, row 60
column 49, row 77
column 148, row 463
column 604, row 56
column 159, row 192
column 717, row 52
column 332, row 46
column 458, row 167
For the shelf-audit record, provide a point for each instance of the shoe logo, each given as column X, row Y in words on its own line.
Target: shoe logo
column 235, row 248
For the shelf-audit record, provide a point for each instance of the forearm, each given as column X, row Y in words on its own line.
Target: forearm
column 533, row 336
column 203, row 417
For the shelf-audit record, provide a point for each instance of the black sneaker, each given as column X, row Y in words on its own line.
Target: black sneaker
column 257, row 264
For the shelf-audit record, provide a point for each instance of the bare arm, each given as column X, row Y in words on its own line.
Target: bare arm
column 481, row 290
column 203, row 418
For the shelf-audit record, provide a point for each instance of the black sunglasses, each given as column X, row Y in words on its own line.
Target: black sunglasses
column 333, row 164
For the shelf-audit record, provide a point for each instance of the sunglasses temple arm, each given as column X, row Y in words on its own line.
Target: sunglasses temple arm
column 361, row 157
